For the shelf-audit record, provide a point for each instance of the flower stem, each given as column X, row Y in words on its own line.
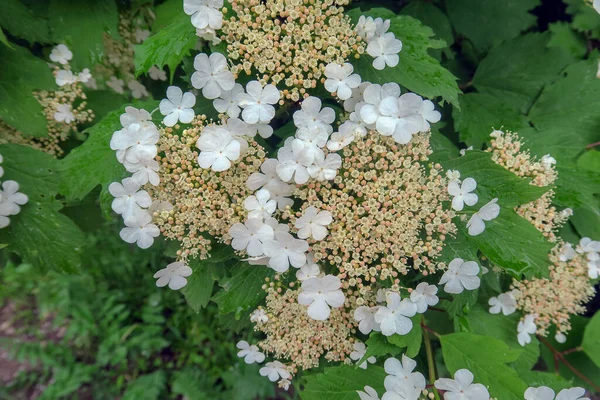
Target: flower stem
column 430, row 360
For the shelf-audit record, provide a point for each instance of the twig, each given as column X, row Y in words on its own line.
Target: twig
column 430, row 360
column 589, row 146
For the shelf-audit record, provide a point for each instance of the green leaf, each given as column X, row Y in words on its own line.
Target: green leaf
column 20, row 75
column 486, row 23
column 538, row 378
column 81, row 25
column 39, row 233
column 431, row 16
column 412, row 340
column 517, row 70
column 246, row 383
column 243, row 290
column 186, row 383
column 568, row 40
column 342, row 383
column 149, row 386
column 486, row 358
column 590, row 160
column 199, row 288
column 21, row 21
column 591, row 339
column 585, row 18
column 168, row 46
column 4, row 40
column 417, row 70
column 586, row 221
column 462, row 303
column 481, row 113
column 377, row 346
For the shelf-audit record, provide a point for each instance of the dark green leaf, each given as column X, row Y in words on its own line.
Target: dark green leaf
column 538, row 378
column 568, row 40
column 591, row 339
column 243, row 290
column 412, row 340
column 149, row 386
column 20, row 21
column 377, row 346
column 199, row 288
column 342, row 383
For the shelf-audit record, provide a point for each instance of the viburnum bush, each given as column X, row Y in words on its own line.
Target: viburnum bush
column 400, row 202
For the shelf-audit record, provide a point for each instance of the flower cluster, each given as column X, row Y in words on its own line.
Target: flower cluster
column 63, row 108
column 381, row 44
column 10, row 199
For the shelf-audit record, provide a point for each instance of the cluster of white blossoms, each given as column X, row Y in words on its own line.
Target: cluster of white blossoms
column 381, row 44
column 206, row 17
column 10, row 199
column 591, row 249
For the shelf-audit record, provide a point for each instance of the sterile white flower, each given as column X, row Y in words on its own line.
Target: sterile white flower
column 462, row 387
column 341, row 80
column 264, row 130
column 133, row 115
column 61, row 54
column 384, row 49
column 204, row 13
column 260, row 205
column 505, row 303
column 228, row 101
column 365, row 28
column 313, row 223
column 462, row 193
column 560, row 337
column 381, row 26
column 10, row 201
column 258, row 102
column 428, row 114
column 84, row 76
column 593, row 269
column 293, row 162
column 129, row 199
column 546, row 393
column 548, row 161
column 373, row 95
column 116, row 84
column 356, row 97
column 212, row 75
column 343, row 137
column 488, row 212
column 369, row 393
column 250, row 236
column 209, row 35
column 452, row 175
column 424, row 296
column 587, row 245
column 144, row 171
column 177, row 106
column 285, row 250
column 313, row 141
column 174, row 275
column 319, row 294
column 575, row 393
column 275, row 370
column 64, row 114
column 460, row 275
column 395, row 317
column 251, row 353
column 137, row 89
column 140, row 230
column 359, row 352
column 567, row 252
column 135, row 142
column 312, row 117
column 402, row 382
column 366, row 319
column 462, row 152
column 526, row 328
column 308, row 270
column 157, row 74
column 399, row 117
column 259, row 316
column 325, row 168
column 217, row 149
column 65, row 77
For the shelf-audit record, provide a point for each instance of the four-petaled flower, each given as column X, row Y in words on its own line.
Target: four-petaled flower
column 423, row 296
column 217, row 149
column 258, row 102
column 10, row 201
column 177, row 106
column 313, row 223
column 359, row 352
column 385, row 50
column 64, row 114
column 505, row 303
column 462, row 387
column 212, row 75
column 366, row 319
column 402, row 382
column 285, row 250
column 526, row 328
column 250, row 353
column 319, row 294
column 250, row 236
column 140, row 230
column 205, row 13
column 486, row 213
column 61, row 54
column 174, row 275
column 462, row 193
column 341, row 80
column 228, row 101
column 129, row 199
column 460, row 275
column 395, row 317
column 275, row 370
column 368, row 394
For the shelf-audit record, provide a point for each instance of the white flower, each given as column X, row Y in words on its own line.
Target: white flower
column 84, row 76
column 250, row 353
column 399, row 117
column 228, row 101
column 548, row 161
column 205, row 13
column 369, row 393
column 460, row 275
column 381, row 26
column 385, row 50
column 250, row 236
column 373, row 95
column 486, row 213
column 356, row 97
column 313, row 140
column 560, row 337
column 365, row 28
column 464, row 151
column 116, row 84
column 258, row 102
column 10, row 201
column 177, row 106
column 174, row 275
column 341, row 80
column 275, row 370
column 452, row 175
column 567, row 252
column 525, row 328
column 395, row 317
column 137, row 89
column 462, row 387
column 217, row 149
column 313, row 223
column 64, row 114
column 134, row 116
column 129, row 199
column 308, row 270
column 428, row 114
column 140, row 230
column 325, row 168
column 264, row 130
column 505, row 302
column 462, row 193
column 212, row 75
column 157, row 74
column 1, row 169
column 285, row 250
column 596, row 5
column 259, row 316
column 343, row 137
column 546, row 393
column 293, row 161
column 144, row 171
column 260, row 205
column 359, row 352
column 423, row 296
column 587, row 245
column 208, row 34
column 65, row 77
column 268, row 179
column 141, row 35
column 319, row 294
column 284, row 384
column 593, row 269
column 401, row 379
column 312, row 117
column 366, row 318
column 61, row 54
column 135, row 142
